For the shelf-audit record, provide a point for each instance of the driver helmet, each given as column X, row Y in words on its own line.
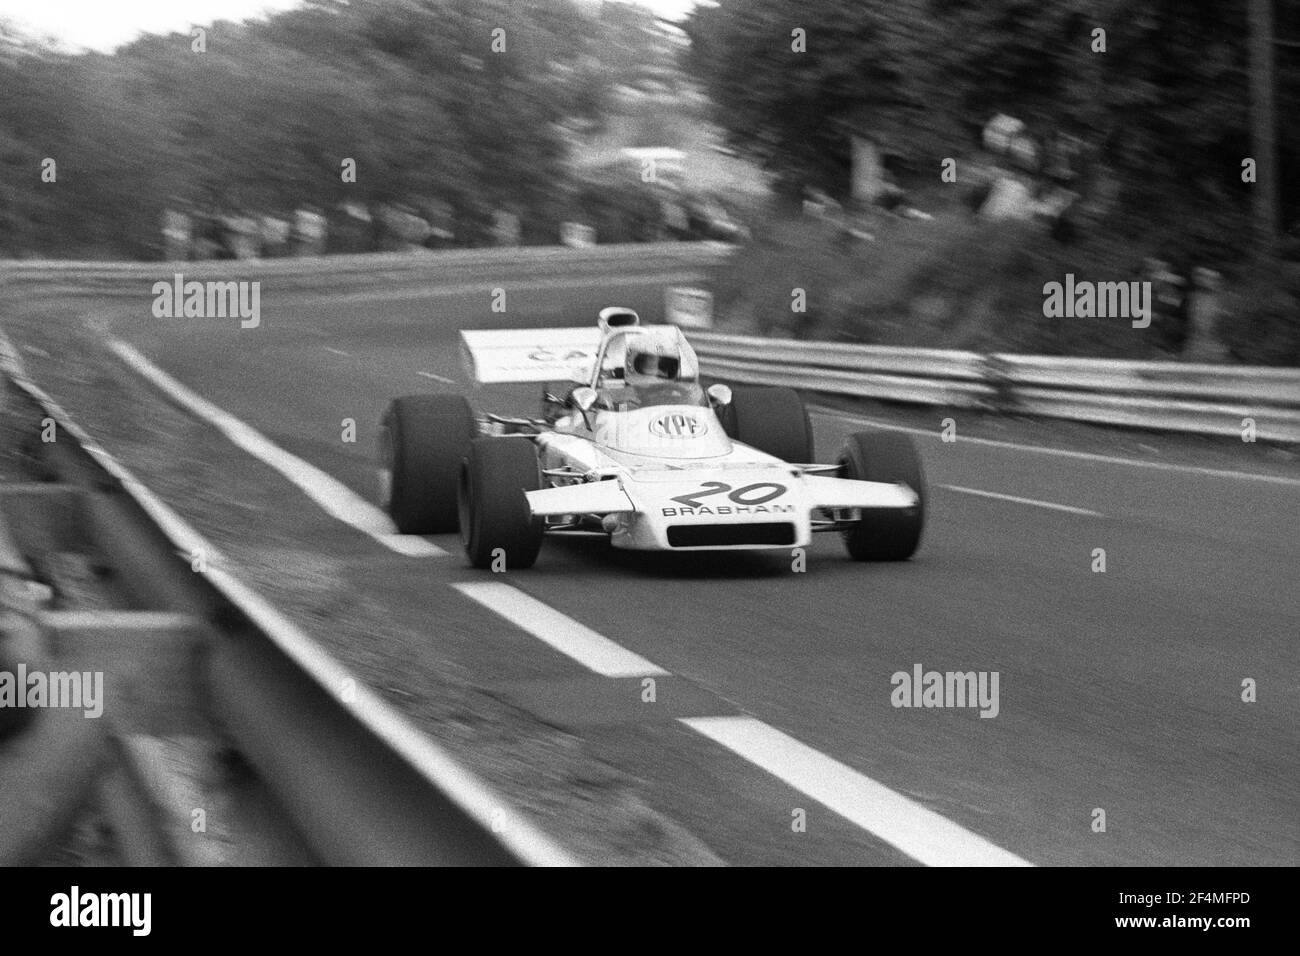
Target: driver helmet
column 652, row 358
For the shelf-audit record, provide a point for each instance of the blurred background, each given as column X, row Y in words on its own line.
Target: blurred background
column 906, row 173
column 920, row 168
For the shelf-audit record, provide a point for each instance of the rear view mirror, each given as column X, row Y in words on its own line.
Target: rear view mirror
column 583, row 397
column 720, row 394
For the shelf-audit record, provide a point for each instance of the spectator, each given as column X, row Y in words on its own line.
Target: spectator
column 1009, row 198
column 350, row 228
column 1168, row 304
column 308, row 231
column 1203, row 308
column 176, row 232
column 275, row 236
column 211, row 241
column 244, row 233
column 505, row 228
column 442, row 224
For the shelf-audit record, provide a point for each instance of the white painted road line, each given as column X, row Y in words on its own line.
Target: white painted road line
column 373, row 711
column 437, row 378
column 1024, row 501
column 922, row 834
column 594, row 651
column 337, row 499
column 1063, row 452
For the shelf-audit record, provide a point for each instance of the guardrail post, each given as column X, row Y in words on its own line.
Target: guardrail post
column 996, row 373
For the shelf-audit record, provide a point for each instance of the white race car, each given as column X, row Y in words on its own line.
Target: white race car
column 633, row 449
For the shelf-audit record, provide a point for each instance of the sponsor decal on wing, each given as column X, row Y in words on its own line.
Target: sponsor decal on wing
column 720, row 499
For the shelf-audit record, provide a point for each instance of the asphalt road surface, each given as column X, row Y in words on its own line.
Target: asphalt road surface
column 1119, row 692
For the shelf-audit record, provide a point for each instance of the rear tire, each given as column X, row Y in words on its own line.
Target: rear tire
column 771, row 419
column 421, row 443
column 495, row 520
column 884, row 534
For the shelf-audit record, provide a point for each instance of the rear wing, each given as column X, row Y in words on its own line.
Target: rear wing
column 493, row 356
column 529, row 355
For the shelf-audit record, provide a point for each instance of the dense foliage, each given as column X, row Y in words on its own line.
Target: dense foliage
column 1158, row 126
column 263, row 117
column 1163, row 112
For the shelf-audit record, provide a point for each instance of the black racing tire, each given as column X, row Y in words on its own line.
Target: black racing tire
column 422, row 440
column 772, row 419
column 884, row 534
column 495, row 520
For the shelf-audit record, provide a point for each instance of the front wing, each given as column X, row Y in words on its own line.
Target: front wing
column 734, row 510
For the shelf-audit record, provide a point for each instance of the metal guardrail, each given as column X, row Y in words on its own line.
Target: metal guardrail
column 1166, row 396
column 362, row 785
column 367, row 270
column 1201, row 399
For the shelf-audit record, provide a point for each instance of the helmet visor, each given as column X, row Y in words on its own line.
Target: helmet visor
column 659, row 366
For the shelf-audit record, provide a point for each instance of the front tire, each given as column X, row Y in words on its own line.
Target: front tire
column 884, row 534
column 496, row 524
column 771, row 419
column 422, row 440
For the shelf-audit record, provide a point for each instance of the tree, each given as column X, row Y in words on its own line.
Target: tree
column 416, row 91
column 788, row 80
column 1164, row 108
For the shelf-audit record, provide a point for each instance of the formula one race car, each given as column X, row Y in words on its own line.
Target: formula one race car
column 634, row 449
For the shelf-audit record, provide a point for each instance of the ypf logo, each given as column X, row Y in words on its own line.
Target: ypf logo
column 678, row 425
